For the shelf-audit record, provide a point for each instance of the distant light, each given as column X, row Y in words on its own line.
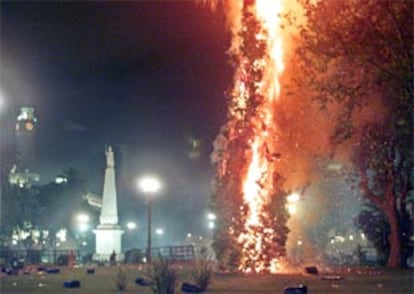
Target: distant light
column 61, row 180
column 14, row 242
column 82, row 218
column 149, row 185
column 84, row 243
column 61, row 234
column 200, row 238
column 36, row 234
column 340, row 238
column 351, row 237
column 294, row 197
column 211, row 225
column 195, row 142
column 57, row 244
column 334, row 166
column 291, row 208
column 211, row 216
column 300, row 243
column 189, row 235
column 131, row 225
column 159, row 231
column 83, row 227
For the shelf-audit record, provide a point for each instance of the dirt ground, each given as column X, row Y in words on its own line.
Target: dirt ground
column 350, row 281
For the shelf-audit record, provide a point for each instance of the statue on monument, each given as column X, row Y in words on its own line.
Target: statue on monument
column 108, row 232
column 110, row 162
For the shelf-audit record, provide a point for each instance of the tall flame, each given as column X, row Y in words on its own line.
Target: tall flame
column 258, row 183
column 246, row 150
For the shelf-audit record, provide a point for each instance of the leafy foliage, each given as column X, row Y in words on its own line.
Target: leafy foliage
column 359, row 56
column 30, row 210
column 59, row 201
column 373, row 223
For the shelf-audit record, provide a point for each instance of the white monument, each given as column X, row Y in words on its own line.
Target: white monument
column 108, row 232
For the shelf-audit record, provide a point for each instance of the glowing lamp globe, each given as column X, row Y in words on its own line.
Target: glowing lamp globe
column 149, row 185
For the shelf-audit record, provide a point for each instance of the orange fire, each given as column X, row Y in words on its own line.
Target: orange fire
column 258, row 181
column 246, row 151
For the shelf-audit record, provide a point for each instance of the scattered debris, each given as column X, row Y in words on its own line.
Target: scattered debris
column 191, row 288
column 71, row 284
column 301, row 289
column 312, row 270
column 332, row 278
column 143, row 282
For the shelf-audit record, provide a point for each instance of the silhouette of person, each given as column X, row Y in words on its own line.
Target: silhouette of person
column 71, row 259
column 112, row 258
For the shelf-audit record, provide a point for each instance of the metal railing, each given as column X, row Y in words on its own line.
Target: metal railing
column 182, row 253
column 30, row 256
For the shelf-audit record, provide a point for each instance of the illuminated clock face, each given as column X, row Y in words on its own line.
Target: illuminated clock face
column 29, row 126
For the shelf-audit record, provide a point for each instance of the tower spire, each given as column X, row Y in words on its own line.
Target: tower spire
column 108, row 233
column 109, row 213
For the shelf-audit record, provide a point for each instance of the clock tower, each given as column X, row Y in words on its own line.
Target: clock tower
column 25, row 136
column 22, row 173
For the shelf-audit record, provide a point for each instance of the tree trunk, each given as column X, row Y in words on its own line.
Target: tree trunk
column 394, row 259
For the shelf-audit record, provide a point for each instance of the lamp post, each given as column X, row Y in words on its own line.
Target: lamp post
column 149, row 186
column 1, row 149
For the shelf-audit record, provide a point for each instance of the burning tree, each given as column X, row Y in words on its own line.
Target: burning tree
column 359, row 55
column 249, row 197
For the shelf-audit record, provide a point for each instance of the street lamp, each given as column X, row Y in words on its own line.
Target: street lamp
column 149, row 186
column 82, row 218
column 131, row 225
column 83, row 222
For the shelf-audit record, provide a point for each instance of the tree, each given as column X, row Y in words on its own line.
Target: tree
column 60, row 201
column 359, row 56
column 28, row 212
column 235, row 238
column 8, row 156
column 23, row 216
column 385, row 180
column 374, row 225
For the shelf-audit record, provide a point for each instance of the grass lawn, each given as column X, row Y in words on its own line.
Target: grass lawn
column 354, row 282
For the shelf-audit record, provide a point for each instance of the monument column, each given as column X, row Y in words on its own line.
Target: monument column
column 108, row 232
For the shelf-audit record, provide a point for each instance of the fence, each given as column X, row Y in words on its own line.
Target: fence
column 31, row 256
column 174, row 253
column 60, row 257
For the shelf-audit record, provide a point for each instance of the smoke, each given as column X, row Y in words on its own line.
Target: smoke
column 299, row 145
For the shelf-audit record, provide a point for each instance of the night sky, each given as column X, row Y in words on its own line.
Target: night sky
column 144, row 77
